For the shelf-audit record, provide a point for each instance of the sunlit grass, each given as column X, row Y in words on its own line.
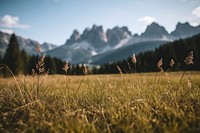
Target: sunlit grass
column 147, row 102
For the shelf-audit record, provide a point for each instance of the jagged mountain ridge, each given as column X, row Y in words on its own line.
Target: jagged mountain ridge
column 94, row 42
column 184, row 30
column 97, row 37
column 155, row 31
column 89, row 46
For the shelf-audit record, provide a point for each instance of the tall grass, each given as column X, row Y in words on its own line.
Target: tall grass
column 103, row 103
column 117, row 104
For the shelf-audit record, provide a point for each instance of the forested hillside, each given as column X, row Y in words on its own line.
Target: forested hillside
column 147, row 61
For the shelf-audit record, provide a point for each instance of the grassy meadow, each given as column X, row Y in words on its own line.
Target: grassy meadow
column 146, row 102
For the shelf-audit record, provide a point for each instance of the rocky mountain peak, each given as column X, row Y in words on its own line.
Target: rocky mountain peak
column 185, row 30
column 95, row 36
column 116, row 34
column 154, row 30
column 75, row 37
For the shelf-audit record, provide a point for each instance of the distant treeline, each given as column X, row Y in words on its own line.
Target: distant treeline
column 21, row 63
column 147, row 61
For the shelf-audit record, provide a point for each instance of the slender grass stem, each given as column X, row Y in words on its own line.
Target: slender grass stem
column 181, row 77
column 183, row 74
column 20, row 91
column 80, row 83
column 38, row 83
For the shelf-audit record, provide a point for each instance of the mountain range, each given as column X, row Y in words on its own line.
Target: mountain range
column 96, row 46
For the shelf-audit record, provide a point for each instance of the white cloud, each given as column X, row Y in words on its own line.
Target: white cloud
column 194, row 24
column 146, row 20
column 196, row 12
column 9, row 31
column 12, row 22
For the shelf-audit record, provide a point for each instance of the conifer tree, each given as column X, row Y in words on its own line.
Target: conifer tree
column 25, row 63
column 31, row 64
column 50, row 65
column 0, row 60
column 12, row 57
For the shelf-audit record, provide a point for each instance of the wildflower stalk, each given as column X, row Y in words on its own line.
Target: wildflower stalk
column 188, row 60
column 159, row 65
column 134, row 60
column 65, row 68
column 39, row 68
column 171, row 65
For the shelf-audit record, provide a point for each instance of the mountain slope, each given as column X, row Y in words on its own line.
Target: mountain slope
column 26, row 44
column 4, row 40
column 125, row 52
column 71, row 53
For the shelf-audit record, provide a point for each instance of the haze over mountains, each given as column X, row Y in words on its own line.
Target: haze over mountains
column 96, row 46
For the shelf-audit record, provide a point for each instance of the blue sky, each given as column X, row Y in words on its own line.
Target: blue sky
column 54, row 20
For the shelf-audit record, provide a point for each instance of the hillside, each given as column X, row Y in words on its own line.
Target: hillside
column 125, row 52
column 147, row 61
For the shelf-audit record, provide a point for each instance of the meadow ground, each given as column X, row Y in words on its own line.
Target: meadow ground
column 146, row 102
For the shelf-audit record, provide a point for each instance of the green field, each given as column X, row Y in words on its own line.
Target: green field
column 147, row 102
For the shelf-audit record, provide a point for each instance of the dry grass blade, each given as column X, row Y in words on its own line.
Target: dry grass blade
column 119, row 70
column 20, row 91
column 188, row 60
column 23, row 106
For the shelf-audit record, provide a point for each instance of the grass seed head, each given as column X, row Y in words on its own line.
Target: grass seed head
column 41, row 61
column 171, row 63
column 189, row 59
column 66, row 67
column 85, row 70
column 40, row 64
column 159, row 64
column 134, row 60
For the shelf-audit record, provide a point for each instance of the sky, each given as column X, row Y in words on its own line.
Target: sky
column 53, row 21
